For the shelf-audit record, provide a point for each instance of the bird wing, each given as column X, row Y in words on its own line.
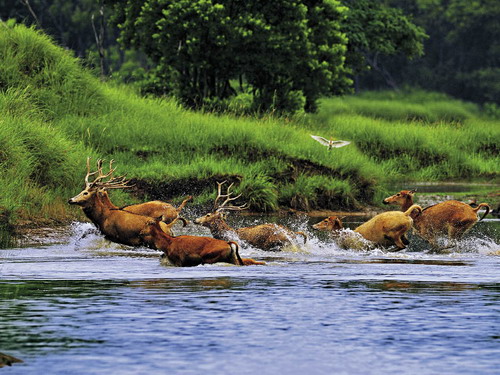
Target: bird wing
column 339, row 143
column 321, row 140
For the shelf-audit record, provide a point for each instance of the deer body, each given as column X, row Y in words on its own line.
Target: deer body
column 117, row 225
column 345, row 239
column 450, row 218
column 389, row 228
column 267, row 237
column 157, row 209
column 189, row 251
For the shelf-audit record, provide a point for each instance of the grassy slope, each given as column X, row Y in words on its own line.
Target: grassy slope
column 55, row 114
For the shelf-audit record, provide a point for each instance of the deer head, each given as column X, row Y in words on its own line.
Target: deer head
column 98, row 185
column 404, row 197
column 331, row 224
column 218, row 214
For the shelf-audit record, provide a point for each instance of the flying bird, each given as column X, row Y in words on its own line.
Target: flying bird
column 330, row 143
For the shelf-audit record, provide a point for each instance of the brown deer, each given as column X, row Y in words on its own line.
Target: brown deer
column 450, row 218
column 117, row 225
column 159, row 210
column 267, row 237
column 389, row 228
column 330, row 224
column 189, row 251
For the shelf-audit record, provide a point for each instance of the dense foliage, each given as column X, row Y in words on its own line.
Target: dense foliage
column 54, row 114
column 462, row 53
column 284, row 54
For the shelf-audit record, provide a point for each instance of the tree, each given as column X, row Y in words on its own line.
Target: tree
column 376, row 31
column 68, row 22
column 462, row 53
column 287, row 52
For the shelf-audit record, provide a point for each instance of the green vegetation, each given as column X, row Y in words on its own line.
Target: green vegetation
column 416, row 136
column 54, row 114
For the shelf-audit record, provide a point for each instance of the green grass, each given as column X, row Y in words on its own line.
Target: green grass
column 413, row 106
column 55, row 114
column 417, row 150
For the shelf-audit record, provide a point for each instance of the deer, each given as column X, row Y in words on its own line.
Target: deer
column 159, row 210
column 385, row 229
column 190, row 251
column 450, row 218
column 344, row 238
column 331, row 224
column 117, row 225
column 389, row 228
column 268, row 237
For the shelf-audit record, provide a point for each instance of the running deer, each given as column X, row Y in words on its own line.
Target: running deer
column 117, row 225
column 189, row 251
column 389, row 228
column 269, row 237
column 450, row 218
column 330, row 224
column 159, row 210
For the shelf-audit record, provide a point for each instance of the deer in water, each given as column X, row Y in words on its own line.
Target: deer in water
column 267, row 237
column 159, row 210
column 117, row 225
column 385, row 229
column 450, row 218
column 189, row 251
column 389, row 228
column 331, row 224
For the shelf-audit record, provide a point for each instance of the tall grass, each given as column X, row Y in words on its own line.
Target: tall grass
column 55, row 114
column 402, row 106
column 47, row 76
column 417, row 150
column 39, row 166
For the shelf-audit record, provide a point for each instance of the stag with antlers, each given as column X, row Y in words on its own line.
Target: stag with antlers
column 121, row 226
column 269, row 237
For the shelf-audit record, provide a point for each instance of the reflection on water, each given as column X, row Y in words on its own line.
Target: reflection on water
column 250, row 325
column 86, row 306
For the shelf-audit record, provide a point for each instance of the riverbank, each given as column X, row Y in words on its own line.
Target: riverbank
column 55, row 114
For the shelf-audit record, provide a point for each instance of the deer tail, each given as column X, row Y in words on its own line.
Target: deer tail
column 236, row 254
column 479, row 207
column 412, row 208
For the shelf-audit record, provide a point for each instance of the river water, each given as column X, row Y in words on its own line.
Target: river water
column 86, row 306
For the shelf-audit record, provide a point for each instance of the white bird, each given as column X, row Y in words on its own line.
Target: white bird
column 330, row 143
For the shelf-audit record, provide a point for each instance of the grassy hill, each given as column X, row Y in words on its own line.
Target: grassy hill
column 55, row 113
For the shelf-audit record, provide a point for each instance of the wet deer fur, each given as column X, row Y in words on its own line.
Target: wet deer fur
column 117, row 225
column 450, row 218
column 159, row 210
column 269, row 237
column 189, row 251
column 389, row 228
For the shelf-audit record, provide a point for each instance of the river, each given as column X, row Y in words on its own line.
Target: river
column 82, row 305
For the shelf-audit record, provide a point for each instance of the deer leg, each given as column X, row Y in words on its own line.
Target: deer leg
column 405, row 239
column 399, row 243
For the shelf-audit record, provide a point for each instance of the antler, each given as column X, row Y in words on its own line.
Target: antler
column 118, row 182
column 228, row 197
column 87, row 183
